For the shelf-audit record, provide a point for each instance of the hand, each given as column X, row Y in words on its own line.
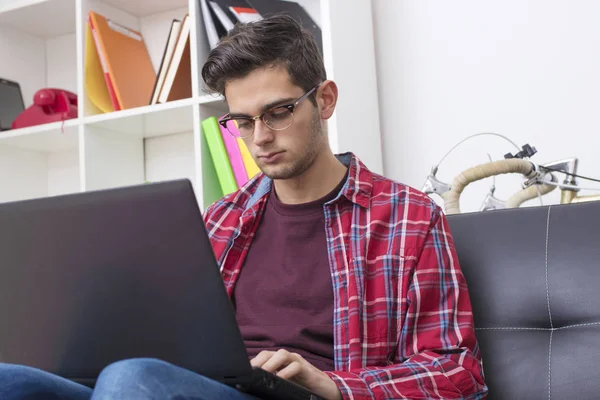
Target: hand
column 295, row 368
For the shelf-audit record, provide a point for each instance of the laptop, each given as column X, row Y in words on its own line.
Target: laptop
column 91, row 278
column 11, row 103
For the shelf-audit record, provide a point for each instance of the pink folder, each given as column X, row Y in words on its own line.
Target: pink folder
column 235, row 157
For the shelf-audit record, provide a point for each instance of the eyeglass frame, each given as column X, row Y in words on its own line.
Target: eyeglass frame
column 227, row 117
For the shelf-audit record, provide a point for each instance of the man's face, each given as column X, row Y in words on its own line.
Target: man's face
column 280, row 154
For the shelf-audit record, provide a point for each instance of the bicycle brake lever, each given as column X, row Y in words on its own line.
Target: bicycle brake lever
column 434, row 185
column 491, row 202
column 531, row 181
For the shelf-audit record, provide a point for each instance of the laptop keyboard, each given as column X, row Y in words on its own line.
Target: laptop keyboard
column 269, row 386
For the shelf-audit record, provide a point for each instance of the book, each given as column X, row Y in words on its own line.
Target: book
column 218, row 153
column 235, row 157
column 251, row 167
column 127, row 67
column 177, row 83
column 166, row 59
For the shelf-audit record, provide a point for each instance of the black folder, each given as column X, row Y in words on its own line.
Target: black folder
column 266, row 7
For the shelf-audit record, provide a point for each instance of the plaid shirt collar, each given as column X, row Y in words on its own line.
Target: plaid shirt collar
column 357, row 189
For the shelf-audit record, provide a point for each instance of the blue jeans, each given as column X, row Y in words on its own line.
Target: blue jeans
column 128, row 379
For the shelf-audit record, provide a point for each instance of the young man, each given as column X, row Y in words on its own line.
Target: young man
column 343, row 281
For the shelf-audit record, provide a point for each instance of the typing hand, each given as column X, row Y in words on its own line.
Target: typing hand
column 295, row 368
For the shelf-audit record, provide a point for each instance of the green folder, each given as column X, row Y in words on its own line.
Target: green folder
column 211, row 189
column 217, row 176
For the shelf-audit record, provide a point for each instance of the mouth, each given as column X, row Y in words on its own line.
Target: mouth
column 271, row 158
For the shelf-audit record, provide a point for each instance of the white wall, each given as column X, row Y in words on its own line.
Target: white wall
column 30, row 71
column 61, row 59
column 526, row 69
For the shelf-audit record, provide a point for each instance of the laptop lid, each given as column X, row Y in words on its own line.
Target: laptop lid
column 11, row 103
column 92, row 278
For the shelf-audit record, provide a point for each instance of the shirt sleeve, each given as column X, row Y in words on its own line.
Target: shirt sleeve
column 437, row 353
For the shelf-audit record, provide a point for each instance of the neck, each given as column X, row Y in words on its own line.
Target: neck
column 317, row 181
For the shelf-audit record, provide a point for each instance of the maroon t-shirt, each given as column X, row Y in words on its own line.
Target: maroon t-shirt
column 284, row 294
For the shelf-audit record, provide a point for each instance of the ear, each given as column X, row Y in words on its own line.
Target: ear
column 327, row 95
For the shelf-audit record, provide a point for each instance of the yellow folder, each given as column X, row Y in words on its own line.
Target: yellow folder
column 251, row 167
column 95, row 83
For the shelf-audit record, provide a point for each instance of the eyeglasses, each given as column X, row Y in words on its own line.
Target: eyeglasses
column 277, row 118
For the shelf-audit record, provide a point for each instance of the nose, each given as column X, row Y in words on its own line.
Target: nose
column 262, row 133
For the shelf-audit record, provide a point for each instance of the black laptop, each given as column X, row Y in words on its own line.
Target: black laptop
column 96, row 277
column 11, row 103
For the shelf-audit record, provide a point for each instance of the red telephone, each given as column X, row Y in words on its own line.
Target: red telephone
column 49, row 105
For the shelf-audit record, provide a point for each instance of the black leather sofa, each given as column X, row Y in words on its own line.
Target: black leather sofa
column 534, row 281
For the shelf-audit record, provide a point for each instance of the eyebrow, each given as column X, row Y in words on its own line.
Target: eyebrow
column 266, row 107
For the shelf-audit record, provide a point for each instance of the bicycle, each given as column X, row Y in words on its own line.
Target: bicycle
column 539, row 180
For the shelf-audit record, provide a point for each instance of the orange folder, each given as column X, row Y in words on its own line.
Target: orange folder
column 128, row 69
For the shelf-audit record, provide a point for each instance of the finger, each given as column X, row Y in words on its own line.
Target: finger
column 279, row 360
column 292, row 370
column 261, row 358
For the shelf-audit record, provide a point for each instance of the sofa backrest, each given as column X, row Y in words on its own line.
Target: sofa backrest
column 534, row 281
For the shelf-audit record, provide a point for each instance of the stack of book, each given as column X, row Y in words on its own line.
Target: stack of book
column 119, row 73
column 174, row 78
column 227, row 165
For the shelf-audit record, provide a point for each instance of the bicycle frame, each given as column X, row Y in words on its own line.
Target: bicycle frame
column 569, row 196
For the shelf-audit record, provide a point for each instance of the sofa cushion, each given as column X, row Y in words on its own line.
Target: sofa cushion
column 534, row 281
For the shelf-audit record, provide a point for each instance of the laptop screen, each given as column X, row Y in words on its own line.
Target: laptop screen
column 11, row 103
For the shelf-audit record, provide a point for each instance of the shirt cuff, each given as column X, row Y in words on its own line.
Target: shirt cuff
column 351, row 385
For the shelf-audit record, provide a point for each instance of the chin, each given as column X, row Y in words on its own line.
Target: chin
column 279, row 175
column 279, row 172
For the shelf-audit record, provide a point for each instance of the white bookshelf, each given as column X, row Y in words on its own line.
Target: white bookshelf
column 153, row 143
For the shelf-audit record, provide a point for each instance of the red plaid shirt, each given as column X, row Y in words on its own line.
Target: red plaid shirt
column 403, row 325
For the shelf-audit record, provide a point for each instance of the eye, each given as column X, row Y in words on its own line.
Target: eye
column 279, row 113
column 243, row 123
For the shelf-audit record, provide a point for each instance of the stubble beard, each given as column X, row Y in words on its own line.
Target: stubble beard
column 308, row 156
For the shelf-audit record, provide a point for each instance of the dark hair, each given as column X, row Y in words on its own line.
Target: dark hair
column 275, row 40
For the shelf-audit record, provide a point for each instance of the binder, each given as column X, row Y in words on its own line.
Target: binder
column 251, row 167
column 129, row 74
column 235, row 157
column 224, row 17
column 220, row 16
column 214, row 28
column 216, row 146
column 230, row 12
column 211, row 188
column 266, row 7
column 246, row 14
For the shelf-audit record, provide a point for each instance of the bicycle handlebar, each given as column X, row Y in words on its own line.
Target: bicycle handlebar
column 482, row 171
column 529, row 193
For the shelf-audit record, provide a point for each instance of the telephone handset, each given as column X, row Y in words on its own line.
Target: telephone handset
column 55, row 100
column 49, row 105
